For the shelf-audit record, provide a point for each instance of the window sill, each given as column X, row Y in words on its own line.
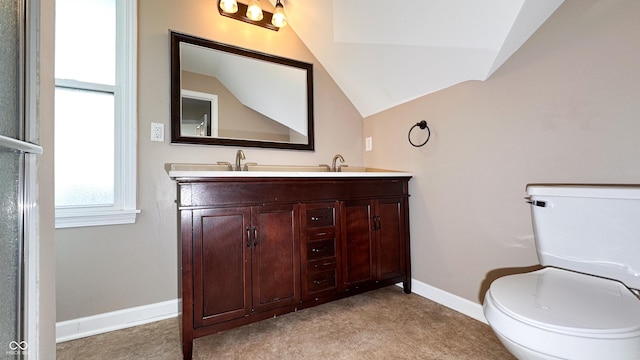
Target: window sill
column 83, row 218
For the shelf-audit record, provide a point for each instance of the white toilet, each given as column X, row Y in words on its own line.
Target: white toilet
column 580, row 306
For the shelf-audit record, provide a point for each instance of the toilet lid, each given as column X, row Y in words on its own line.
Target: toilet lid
column 566, row 301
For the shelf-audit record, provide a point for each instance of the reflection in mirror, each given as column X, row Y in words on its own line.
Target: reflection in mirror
column 199, row 114
column 224, row 95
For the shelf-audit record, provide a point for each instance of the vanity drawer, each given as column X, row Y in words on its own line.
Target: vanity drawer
column 322, row 264
column 321, row 281
column 319, row 234
column 321, row 249
column 320, row 217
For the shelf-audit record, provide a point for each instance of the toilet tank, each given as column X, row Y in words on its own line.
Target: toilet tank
column 593, row 229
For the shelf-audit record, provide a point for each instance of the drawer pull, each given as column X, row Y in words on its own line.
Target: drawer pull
column 322, row 281
column 322, row 265
column 325, row 264
column 318, row 218
column 318, row 250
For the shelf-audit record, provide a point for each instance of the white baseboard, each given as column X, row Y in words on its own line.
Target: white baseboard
column 115, row 320
column 121, row 319
column 454, row 302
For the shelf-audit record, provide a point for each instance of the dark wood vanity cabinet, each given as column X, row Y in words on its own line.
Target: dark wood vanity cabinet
column 254, row 248
column 247, row 261
column 374, row 240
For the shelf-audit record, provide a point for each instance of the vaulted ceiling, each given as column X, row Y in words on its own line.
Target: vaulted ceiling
column 383, row 53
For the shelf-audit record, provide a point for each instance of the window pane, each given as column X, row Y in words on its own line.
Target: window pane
column 84, row 148
column 86, row 40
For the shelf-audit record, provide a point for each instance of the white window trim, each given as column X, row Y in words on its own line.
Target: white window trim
column 126, row 133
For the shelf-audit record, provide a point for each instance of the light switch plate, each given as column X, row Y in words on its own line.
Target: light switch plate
column 157, row 132
column 368, row 144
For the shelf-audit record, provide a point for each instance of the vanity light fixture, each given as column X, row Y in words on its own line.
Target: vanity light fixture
column 252, row 13
column 279, row 19
column 229, row 6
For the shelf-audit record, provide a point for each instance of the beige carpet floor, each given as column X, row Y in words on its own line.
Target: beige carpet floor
column 382, row 324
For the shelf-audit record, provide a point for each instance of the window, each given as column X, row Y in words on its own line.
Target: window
column 95, row 129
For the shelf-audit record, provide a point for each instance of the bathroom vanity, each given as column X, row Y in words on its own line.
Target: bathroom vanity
column 255, row 245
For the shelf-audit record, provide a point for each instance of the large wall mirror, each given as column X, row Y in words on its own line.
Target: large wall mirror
column 225, row 95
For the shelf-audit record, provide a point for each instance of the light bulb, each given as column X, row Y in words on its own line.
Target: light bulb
column 229, row 6
column 254, row 12
column 279, row 19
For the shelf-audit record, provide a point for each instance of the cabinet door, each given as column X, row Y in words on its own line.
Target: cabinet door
column 221, row 266
column 390, row 238
column 276, row 264
column 357, row 242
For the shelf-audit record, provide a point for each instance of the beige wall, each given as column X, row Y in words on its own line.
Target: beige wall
column 564, row 108
column 101, row 269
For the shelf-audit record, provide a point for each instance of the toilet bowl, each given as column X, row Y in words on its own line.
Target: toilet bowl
column 559, row 314
column 580, row 305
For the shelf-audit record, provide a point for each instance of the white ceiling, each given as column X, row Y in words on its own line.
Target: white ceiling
column 382, row 57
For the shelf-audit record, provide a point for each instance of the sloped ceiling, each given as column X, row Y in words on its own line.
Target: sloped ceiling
column 383, row 53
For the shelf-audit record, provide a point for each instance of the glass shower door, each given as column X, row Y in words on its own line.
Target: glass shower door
column 14, row 157
column 10, row 224
column 10, row 254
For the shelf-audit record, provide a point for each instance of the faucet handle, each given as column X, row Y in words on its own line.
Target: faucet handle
column 226, row 163
column 325, row 165
column 340, row 167
column 246, row 165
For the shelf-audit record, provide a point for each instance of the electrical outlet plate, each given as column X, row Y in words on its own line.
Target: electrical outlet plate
column 157, row 132
column 368, row 141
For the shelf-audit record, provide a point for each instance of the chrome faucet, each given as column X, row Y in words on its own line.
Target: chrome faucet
column 333, row 163
column 239, row 156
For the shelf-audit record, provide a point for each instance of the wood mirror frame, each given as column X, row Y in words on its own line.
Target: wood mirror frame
column 250, row 57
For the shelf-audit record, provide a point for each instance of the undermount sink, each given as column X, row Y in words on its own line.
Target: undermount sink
column 287, row 168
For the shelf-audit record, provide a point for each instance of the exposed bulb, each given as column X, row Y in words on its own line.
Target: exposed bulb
column 254, row 12
column 279, row 19
column 229, row 6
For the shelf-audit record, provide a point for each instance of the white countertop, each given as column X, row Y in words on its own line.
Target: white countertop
column 201, row 171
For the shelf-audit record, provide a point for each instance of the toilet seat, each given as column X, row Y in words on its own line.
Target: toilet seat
column 566, row 315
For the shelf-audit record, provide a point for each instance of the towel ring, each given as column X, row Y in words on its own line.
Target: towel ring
column 422, row 125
